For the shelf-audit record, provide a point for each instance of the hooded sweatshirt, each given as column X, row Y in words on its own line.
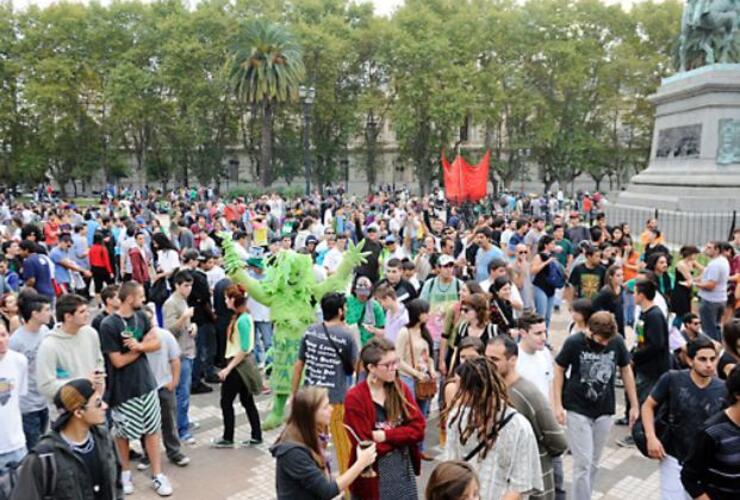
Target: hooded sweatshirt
column 63, row 357
column 298, row 476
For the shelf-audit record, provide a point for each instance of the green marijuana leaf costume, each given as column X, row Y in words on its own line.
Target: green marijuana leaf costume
column 289, row 289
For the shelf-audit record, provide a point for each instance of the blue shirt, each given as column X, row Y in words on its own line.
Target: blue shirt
column 79, row 247
column 483, row 258
column 92, row 226
column 61, row 274
column 37, row 266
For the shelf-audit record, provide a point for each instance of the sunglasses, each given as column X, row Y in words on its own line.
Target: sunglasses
column 449, row 265
column 523, row 253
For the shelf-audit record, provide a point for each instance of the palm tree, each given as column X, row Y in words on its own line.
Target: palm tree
column 266, row 70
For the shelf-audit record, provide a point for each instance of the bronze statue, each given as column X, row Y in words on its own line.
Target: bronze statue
column 710, row 33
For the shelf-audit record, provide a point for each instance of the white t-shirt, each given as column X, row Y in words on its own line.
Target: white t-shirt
column 13, row 385
column 332, row 259
column 537, row 368
column 214, row 275
column 168, row 260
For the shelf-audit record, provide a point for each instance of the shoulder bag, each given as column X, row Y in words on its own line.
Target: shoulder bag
column 426, row 388
column 494, row 432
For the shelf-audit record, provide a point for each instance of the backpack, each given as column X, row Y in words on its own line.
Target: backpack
column 45, row 453
column 555, row 275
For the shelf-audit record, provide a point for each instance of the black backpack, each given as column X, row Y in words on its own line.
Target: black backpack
column 45, row 453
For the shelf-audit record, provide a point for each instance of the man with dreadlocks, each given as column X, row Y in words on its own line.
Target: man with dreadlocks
column 497, row 440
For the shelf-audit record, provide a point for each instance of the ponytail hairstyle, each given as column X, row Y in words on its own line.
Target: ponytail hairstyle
column 238, row 294
column 397, row 407
column 483, row 392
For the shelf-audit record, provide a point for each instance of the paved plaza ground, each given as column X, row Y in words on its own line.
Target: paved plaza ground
column 249, row 473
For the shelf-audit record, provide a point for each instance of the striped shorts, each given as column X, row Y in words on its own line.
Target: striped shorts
column 137, row 417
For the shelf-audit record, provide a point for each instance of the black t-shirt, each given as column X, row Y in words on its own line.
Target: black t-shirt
column 589, row 388
column 714, row 460
column 652, row 355
column 136, row 378
column 405, row 291
column 88, row 452
column 540, row 279
column 607, row 300
column 689, row 407
column 587, row 282
column 724, row 360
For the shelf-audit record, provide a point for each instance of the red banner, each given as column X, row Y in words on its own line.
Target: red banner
column 465, row 182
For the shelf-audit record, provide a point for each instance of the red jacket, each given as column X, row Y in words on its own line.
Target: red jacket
column 98, row 257
column 359, row 413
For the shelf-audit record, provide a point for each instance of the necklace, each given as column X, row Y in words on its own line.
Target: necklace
column 445, row 289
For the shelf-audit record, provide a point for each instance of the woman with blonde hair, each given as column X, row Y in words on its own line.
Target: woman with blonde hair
column 302, row 471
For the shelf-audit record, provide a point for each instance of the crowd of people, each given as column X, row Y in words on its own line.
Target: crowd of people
column 114, row 315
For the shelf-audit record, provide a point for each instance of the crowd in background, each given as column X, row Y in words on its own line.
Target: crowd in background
column 115, row 314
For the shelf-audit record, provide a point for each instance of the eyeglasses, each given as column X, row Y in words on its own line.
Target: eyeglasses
column 465, row 309
column 389, row 365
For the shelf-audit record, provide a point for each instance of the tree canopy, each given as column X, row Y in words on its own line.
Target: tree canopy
column 172, row 90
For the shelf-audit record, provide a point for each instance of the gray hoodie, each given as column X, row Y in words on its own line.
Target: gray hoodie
column 63, row 357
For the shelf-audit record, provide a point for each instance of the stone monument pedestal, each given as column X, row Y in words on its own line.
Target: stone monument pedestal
column 694, row 169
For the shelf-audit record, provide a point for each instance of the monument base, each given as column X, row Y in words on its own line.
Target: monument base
column 693, row 177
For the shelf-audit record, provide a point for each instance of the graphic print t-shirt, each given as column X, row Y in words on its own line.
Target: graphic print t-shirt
column 587, row 282
column 13, row 385
column 323, row 367
column 134, row 379
column 589, row 388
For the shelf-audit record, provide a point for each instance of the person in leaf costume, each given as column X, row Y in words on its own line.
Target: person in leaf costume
column 290, row 291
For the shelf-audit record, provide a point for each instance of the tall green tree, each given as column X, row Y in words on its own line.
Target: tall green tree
column 266, row 69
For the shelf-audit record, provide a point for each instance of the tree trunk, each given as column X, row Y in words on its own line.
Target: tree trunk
column 266, row 146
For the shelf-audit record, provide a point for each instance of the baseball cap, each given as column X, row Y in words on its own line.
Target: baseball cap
column 256, row 262
column 70, row 397
column 390, row 239
column 445, row 260
column 312, row 239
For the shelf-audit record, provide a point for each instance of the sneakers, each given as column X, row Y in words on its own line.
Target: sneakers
column 161, row 485
column 143, row 464
column 251, row 442
column 222, row 443
column 626, row 442
column 128, row 486
column 194, row 425
column 180, row 460
column 188, row 439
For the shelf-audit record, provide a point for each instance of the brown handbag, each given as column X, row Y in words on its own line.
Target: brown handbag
column 424, row 389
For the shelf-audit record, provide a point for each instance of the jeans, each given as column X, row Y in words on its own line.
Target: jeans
column 671, row 487
column 628, row 299
column 710, row 314
column 182, row 394
column 205, row 352
column 263, row 340
column 586, row 437
column 543, row 304
column 34, row 426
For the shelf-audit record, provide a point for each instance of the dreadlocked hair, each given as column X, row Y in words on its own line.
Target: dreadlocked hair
column 482, row 392
column 397, row 407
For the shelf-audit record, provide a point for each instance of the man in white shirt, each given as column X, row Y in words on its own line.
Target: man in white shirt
column 496, row 268
column 333, row 256
column 713, row 290
column 535, row 360
column 13, row 385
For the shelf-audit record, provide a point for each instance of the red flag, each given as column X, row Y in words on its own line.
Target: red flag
column 465, row 182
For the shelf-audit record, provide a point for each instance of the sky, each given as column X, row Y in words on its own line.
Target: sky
column 383, row 7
